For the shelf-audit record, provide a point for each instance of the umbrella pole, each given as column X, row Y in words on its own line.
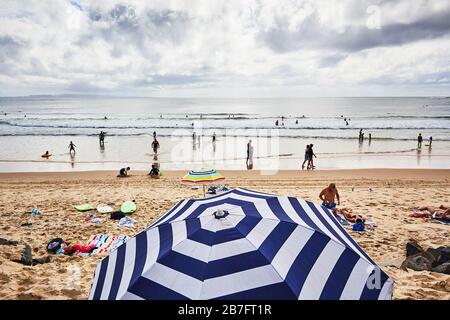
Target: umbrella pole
column 204, row 194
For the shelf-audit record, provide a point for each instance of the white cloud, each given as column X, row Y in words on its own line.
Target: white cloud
column 222, row 48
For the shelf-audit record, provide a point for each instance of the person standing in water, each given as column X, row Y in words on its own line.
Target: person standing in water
column 154, row 134
column 214, row 137
column 370, row 137
column 155, row 146
column 419, row 141
column 72, row 147
column 102, row 137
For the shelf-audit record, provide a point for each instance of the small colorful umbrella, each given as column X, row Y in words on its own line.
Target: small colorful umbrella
column 202, row 177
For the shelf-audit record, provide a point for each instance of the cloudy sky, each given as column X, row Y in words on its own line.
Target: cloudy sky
column 230, row 48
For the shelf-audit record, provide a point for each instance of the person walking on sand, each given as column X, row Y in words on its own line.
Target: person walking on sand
column 214, row 137
column 154, row 134
column 71, row 147
column 431, row 142
column 419, row 141
column 155, row 146
column 250, row 157
column 370, row 137
column 311, row 154
column 306, row 157
column 360, row 135
column 328, row 195
column 249, row 148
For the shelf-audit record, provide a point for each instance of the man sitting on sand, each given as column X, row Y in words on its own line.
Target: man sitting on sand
column 327, row 196
column 124, row 172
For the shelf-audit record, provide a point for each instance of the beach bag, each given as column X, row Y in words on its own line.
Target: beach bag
column 54, row 245
column 117, row 215
column 359, row 226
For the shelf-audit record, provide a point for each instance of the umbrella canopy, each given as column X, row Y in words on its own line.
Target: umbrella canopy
column 202, row 177
column 241, row 245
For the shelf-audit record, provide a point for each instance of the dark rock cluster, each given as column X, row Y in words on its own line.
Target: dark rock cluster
column 432, row 259
column 23, row 253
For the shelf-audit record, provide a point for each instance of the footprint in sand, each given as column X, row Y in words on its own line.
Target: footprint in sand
column 4, row 278
column 71, row 293
column 28, row 296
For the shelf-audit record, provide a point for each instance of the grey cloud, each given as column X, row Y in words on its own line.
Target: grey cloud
column 169, row 80
column 10, row 47
column 83, row 87
column 432, row 78
column 126, row 28
column 355, row 38
column 11, row 51
column 331, row 60
column 161, row 25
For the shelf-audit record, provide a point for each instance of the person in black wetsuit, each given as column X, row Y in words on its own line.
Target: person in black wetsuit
column 72, row 147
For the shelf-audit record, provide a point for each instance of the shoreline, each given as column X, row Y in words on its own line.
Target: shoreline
column 373, row 173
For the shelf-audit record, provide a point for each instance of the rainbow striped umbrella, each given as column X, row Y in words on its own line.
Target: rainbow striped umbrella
column 202, row 177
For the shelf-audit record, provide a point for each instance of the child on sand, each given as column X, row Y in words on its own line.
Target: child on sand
column 154, row 172
column 124, row 172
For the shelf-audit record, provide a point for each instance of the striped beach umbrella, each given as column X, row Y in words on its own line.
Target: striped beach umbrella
column 242, row 245
column 202, row 177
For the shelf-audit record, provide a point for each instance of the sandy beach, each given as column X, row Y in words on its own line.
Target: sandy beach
column 394, row 194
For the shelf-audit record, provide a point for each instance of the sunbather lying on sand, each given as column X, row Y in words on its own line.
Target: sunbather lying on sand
column 349, row 215
column 441, row 212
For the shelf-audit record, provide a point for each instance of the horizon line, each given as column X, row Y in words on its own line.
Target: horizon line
column 205, row 97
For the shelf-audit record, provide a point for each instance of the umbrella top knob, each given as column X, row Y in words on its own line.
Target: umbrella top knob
column 219, row 214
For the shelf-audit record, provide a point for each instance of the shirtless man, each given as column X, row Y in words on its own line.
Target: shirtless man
column 327, row 196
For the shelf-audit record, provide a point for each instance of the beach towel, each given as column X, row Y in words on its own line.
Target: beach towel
column 420, row 214
column 104, row 209
column 342, row 220
column 84, row 207
column 370, row 224
column 126, row 222
column 34, row 212
column 106, row 244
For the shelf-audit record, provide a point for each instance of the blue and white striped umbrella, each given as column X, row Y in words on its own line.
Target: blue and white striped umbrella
column 241, row 245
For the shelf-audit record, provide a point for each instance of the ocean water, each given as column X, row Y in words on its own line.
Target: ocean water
column 31, row 125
